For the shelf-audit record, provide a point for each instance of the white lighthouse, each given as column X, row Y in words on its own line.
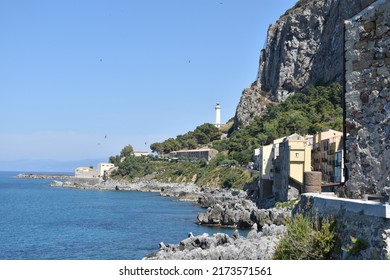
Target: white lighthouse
column 217, row 115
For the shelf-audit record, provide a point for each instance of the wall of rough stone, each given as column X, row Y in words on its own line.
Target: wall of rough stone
column 367, row 68
column 357, row 219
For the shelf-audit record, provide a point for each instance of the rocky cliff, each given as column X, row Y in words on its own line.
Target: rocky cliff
column 305, row 46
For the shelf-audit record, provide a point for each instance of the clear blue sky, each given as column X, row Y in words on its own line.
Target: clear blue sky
column 82, row 79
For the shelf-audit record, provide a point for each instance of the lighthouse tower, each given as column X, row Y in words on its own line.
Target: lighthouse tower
column 217, row 115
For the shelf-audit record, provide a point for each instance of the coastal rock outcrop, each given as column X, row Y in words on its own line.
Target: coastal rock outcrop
column 258, row 245
column 305, row 46
column 231, row 208
column 235, row 209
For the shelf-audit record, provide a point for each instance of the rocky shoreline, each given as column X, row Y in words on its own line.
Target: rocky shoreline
column 44, row 176
column 233, row 209
column 223, row 208
column 258, row 245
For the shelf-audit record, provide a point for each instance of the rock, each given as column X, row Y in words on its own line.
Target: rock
column 236, row 234
column 56, row 183
column 303, row 47
column 226, row 208
column 261, row 217
column 202, row 218
column 251, row 102
column 235, row 210
column 266, row 217
column 252, row 234
column 292, row 193
column 220, row 246
column 244, row 219
column 228, row 217
column 215, row 214
column 273, row 230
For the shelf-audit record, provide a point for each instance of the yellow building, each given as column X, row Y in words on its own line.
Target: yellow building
column 325, row 146
column 299, row 158
column 289, row 165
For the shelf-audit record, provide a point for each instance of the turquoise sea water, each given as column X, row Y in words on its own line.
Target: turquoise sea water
column 42, row 222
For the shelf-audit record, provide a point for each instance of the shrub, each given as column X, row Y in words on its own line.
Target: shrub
column 358, row 246
column 287, row 204
column 307, row 240
column 229, row 180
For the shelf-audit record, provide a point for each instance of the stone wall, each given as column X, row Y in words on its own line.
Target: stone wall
column 367, row 56
column 366, row 221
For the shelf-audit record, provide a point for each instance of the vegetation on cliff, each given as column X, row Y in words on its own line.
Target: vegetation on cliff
column 307, row 239
column 217, row 173
column 314, row 109
column 202, row 135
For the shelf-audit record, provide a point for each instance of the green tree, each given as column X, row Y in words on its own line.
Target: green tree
column 157, row 148
column 133, row 166
column 127, row 151
column 171, row 145
column 114, row 160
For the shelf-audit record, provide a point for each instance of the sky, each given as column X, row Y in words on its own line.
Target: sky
column 80, row 80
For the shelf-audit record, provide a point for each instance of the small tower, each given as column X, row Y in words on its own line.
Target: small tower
column 217, row 115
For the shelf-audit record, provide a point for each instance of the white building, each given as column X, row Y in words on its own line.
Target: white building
column 86, row 172
column 103, row 167
column 217, row 115
column 89, row 172
column 140, row 154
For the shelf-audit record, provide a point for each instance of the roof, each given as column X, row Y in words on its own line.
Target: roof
column 195, row 150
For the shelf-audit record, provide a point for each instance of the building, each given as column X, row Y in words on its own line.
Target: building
column 86, row 172
column 89, row 172
column 265, row 166
column 103, row 167
column 141, row 154
column 256, row 158
column 291, row 158
column 283, row 163
column 217, row 115
column 299, row 157
column 204, row 153
column 325, row 146
column 338, row 166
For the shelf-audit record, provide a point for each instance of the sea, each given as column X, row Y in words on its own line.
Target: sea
column 40, row 222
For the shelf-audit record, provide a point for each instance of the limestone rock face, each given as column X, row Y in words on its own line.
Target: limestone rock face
column 305, row 46
column 252, row 103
